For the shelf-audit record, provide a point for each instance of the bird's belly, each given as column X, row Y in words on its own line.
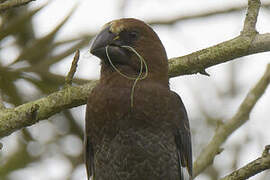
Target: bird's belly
column 137, row 154
column 133, row 143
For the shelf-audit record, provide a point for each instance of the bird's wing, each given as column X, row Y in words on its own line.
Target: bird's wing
column 183, row 138
column 89, row 149
column 89, row 157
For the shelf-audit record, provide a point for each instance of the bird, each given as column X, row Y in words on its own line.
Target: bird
column 136, row 128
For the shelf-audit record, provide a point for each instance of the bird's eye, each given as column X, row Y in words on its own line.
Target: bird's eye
column 133, row 35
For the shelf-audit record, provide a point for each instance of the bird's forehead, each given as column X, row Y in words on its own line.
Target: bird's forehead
column 115, row 26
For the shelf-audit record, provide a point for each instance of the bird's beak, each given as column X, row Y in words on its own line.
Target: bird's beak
column 110, row 40
column 103, row 39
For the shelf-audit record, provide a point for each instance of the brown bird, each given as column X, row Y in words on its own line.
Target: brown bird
column 136, row 128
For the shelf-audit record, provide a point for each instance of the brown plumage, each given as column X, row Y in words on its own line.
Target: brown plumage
column 149, row 140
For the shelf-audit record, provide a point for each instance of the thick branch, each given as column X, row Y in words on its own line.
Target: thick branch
column 223, row 131
column 255, row 167
column 13, row 3
column 220, row 53
column 30, row 113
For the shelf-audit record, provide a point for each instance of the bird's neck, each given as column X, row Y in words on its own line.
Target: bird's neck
column 111, row 78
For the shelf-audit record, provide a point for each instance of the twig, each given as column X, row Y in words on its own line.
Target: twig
column 254, row 167
column 209, row 12
column 266, row 151
column 68, row 80
column 251, row 17
column 13, row 3
column 223, row 131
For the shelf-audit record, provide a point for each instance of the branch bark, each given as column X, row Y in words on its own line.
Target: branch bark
column 30, row 113
column 69, row 78
column 254, row 167
column 251, row 17
column 226, row 51
column 223, row 131
column 13, row 3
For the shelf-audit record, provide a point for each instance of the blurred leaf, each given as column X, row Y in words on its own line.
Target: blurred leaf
column 41, row 48
column 51, row 82
column 12, row 26
column 1, row 1
column 7, row 86
column 72, row 40
column 74, row 127
column 16, row 161
column 55, row 59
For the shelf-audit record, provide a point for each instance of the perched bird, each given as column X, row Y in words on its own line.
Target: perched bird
column 136, row 128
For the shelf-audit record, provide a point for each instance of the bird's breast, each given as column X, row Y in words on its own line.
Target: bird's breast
column 109, row 108
column 132, row 142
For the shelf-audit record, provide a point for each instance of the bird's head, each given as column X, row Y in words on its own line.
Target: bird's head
column 115, row 38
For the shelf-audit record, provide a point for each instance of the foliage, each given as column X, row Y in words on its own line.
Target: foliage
column 32, row 65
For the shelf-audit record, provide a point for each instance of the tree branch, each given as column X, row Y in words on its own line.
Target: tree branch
column 16, row 118
column 13, row 3
column 251, row 17
column 220, row 53
column 254, row 167
column 68, row 80
column 223, row 131
column 248, row 37
column 30, row 113
column 242, row 45
column 209, row 12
